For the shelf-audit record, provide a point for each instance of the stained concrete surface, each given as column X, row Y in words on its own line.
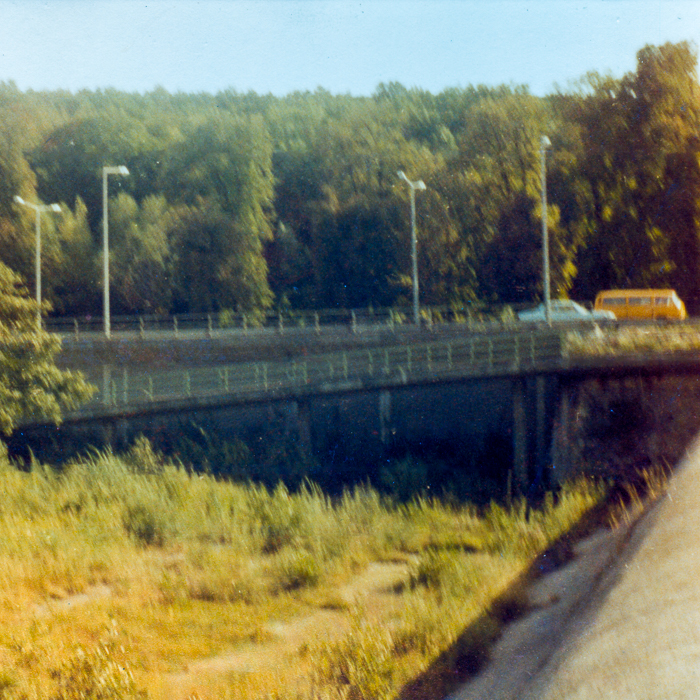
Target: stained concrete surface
column 621, row 620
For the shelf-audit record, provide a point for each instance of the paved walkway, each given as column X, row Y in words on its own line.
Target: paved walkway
column 621, row 621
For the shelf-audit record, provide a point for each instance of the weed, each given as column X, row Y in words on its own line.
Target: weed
column 142, row 459
column 431, row 569
column 143, row 522
column 360, row 664
column 95, row 674
column 199, row 565
column 296, row 568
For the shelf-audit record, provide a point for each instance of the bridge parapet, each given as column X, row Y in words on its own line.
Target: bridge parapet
column 123, row 389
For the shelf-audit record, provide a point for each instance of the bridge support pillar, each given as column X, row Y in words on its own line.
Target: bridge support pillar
column 384, row 416
column 562, row 446
column 520, row 438
column 540, row 426
column 534, row 402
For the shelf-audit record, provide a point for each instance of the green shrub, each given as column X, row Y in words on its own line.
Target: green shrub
column 226, row 318
column 278, row 516
column 144, row 523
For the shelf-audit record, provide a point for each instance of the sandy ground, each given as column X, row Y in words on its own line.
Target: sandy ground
column 373, row 588
column 621, row 620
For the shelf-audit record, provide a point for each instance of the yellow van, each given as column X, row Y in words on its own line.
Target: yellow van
column 642, row 304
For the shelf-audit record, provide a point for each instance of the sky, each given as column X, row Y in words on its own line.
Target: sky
column 344, row 46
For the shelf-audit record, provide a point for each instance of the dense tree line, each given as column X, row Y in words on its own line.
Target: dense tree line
column 245, row 201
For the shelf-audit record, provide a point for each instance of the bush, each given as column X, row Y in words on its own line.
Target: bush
column 142, row 459
column 144, row 523
column 226, row 318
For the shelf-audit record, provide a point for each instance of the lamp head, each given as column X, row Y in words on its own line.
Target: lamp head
column 19, row 200
column 545, row 142
column 55, row 208
column 115, row 170
column 402, row 175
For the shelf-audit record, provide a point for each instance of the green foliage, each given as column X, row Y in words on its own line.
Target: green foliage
column 217, row 262
column 209, row 452
column 70, row 262
column 141, row 258
column 234, row 198
column 143, row 522
column 142, row 459
column 236, row 559
column 30, row 383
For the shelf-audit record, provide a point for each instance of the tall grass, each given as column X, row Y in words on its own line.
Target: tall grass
column 195, row 567
column 633, row 340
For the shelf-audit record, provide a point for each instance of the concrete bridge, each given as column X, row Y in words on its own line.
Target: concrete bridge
column 365, row 390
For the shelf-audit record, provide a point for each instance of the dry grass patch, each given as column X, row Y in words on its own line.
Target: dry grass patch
column 628, row 340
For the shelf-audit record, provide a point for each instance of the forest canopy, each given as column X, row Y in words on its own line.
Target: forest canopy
column 245, row 202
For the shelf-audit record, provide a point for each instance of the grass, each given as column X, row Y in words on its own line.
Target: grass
column 633, row 340
column 198, row 569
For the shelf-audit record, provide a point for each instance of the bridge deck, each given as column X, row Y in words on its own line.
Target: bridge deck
column 123, row 389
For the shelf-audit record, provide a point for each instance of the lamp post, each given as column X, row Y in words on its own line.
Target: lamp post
column 38, row 208
column 414, row 185
column 545, row 143
column 107, row 170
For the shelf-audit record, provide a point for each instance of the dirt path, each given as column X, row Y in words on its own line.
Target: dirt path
column 373, row 589
column 62, row 602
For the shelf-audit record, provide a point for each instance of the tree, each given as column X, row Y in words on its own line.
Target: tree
column 71, row 271
column 217, row 264
column 140, row 257
column 641, row 159
column 31, row 386
column 496, row 195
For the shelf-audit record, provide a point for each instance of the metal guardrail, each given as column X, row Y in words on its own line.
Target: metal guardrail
column 353, row 319
column 474, row 357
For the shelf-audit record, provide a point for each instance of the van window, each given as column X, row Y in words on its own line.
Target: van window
column 640, row 301
column 614, row 301
column 662, row 301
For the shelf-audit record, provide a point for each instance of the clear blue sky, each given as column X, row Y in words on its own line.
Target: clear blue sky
column 343, row 46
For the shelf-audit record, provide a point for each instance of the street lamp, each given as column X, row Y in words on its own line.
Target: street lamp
column 414, row 185
column 107, row 170
column 545, row 143
column 38, row 208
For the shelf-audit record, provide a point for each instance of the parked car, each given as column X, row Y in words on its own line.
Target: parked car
column 566, row 310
